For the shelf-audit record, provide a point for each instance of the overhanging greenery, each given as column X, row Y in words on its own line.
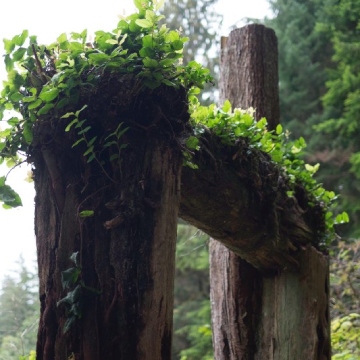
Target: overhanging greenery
column 51, row 83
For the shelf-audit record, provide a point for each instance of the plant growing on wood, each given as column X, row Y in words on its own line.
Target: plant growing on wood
column 71, row 279
column 46, row 81
column 72, row 97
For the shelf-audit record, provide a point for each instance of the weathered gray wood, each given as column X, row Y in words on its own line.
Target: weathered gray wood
column 276, row 316
column 252, row 78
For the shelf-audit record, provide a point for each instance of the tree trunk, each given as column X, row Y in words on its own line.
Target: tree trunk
column 259, row 315
column 127, row 248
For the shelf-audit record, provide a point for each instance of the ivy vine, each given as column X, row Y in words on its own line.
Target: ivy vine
column 45, row 81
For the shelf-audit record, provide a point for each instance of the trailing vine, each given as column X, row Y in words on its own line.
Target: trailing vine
column 73, row 301
column 46, row 82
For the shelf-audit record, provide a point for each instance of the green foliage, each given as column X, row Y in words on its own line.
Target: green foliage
column 345, row 337
column 8, row 196
column 304, row 54
column 345, row 299
column 192, row 330
column 345, row 278
column 341, row 103
column 73, row 301
column 19, row 314
column 319, row 82
column 31, row 356
column 230, row 126
column 71, row 278
column 45, row 81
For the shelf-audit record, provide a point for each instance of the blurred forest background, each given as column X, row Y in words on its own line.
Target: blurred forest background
column 319, row 60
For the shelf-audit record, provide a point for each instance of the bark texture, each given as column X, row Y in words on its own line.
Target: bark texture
column 127, row 249
column 237, row 195
column 251, row 80
column 257, row 314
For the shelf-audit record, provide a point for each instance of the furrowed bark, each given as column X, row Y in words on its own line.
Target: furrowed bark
column 127, row 249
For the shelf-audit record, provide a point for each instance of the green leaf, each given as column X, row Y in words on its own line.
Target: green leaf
column 177, row 45
column 151, row 16
column 148, row 41
column 151, row 63
column 45, row 109
column 70, row 321
column 63, row 102
column 167, row 62
column 99, row 58
column 168, row 83
column 80, row 123
column 19, row 54
column 27, row 132
column 28, row 99
column 86, row 213
column 158, row 4
column 35, row 104
column 227, row 106
column 48, row 95
column 9, row 64
column 342, row 218
column 77, row 142
column 90, row 150
column 8, row 196
column 146, row 52
column 69, row 277
column 16, row 97
column 20, row 39
column 112, row 41
column 72, row 123
column 141, row 4
column 133, row 27
column 114, row 157
column 91, row 158
column 172, row 36
column 85, row 130
column 79, row 111
column 74, row 258
column 9, row 45
column 144, row 23
column 279, row 129
column 92, row 141
column 192, row 142
column 67, row 115
column 13, row 121
column 62, row 38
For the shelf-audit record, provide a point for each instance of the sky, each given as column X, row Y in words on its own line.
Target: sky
column 17, row 225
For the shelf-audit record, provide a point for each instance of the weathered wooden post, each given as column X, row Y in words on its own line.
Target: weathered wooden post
column 123, row 306
column 257, row 315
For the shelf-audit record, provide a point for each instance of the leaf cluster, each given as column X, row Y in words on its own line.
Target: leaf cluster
column 232, row 125
column 73, row 301
column 44, row 81
column 345, row 334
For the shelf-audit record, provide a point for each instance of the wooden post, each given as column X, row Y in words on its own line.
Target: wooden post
column 254, row 315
